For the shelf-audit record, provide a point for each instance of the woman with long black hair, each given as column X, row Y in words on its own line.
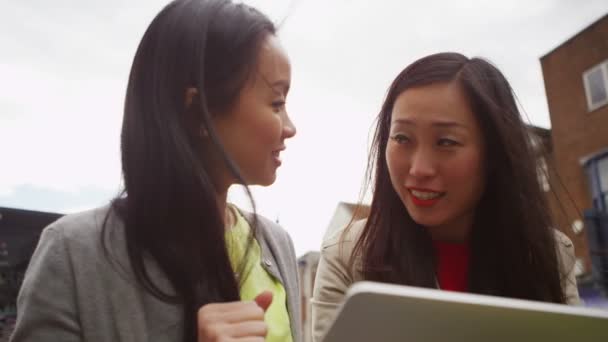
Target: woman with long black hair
column 457, row 204
column 170, row 259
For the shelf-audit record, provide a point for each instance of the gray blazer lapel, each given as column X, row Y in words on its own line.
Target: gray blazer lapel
column 278, row 258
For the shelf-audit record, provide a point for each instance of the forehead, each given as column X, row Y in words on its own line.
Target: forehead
column 439, row 102
column 273, row 63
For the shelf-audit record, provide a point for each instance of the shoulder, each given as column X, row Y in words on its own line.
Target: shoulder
column 271, row 236
column 562, row 239
column 567, row 261
column 89, row 239
column 268, row 230
column 564, row 245
column 69, row 246
column 339, row 246
column 81, row 226
column 84, row 229
column 565, row 251
column 345, row 237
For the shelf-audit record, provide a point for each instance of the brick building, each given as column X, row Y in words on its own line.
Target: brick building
column 576, row 84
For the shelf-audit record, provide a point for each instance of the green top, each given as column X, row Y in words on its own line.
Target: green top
column 257, row 280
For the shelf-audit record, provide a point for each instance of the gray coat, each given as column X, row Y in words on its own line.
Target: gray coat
column 73, row 292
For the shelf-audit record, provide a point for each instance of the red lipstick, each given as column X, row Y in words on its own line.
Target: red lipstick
column 425, row 202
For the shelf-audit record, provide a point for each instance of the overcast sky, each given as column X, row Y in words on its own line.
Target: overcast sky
column 64, row 67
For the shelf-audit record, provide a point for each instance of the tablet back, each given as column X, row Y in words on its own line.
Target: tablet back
column 391, row 313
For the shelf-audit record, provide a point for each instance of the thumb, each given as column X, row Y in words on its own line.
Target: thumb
column 264, row 300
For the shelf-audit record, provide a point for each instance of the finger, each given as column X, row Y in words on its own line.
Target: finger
column 233, row 312
column 221, row 307
column 248, row 311
column 226, row 313
column 249, row 329
column 249, row 339
column 264, row 300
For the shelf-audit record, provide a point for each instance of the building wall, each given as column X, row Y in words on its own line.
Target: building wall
column 307, row 269
column 576, row 132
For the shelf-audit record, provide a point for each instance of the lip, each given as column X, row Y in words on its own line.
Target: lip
column 422, row 189
column 276, row 156
column 424, row 202
column 280, row 149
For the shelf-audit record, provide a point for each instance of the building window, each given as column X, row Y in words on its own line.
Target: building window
column 595, row 81
column 602, row 171
column 597, row 173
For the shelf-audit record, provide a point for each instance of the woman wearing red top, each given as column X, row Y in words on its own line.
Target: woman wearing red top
column 457, row 203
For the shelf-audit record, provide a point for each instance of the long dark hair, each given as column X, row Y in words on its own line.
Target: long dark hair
column 169, row 206
column 513, row 249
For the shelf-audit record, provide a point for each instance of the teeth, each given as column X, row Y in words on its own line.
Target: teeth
column 276, row 155
column 426, row 195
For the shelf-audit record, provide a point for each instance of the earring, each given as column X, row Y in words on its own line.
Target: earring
column 203, row 132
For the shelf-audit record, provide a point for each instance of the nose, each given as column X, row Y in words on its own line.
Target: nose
column 289, row 129
column 422, row 164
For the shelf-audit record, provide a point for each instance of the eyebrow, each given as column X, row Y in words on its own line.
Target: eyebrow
column 282, row 85
column 442, row 124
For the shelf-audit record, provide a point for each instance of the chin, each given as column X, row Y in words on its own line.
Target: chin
column 427, row 220
column 423, row 222
column 268, row 183
column 266, row 180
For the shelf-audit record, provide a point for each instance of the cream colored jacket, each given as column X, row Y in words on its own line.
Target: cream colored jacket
column 335, row 274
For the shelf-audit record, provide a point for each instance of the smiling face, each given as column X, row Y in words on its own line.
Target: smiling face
column 435, row 158
column 253, row 131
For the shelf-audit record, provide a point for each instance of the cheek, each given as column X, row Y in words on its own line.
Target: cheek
column 266, row 128
column 274, row 126
column 389, row 155
column 396, row 163
column 467, row 172
column 263, row 136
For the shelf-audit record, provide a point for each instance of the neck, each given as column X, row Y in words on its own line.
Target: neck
column 457, row 231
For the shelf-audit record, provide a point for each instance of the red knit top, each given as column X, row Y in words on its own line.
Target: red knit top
column 452, row 265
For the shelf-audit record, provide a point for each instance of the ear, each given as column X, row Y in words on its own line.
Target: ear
column 189, row 98
column 202, row 132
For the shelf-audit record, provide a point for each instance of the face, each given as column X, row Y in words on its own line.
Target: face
column 253, row 131
column 435, row 158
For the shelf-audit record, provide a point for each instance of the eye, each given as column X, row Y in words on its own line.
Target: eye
column 447, row 142
column 278, row 105
column 400, row 138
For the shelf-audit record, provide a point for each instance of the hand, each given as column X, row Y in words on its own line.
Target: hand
column 234, row 321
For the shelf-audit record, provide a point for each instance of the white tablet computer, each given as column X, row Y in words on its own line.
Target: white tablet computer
column 391, row 313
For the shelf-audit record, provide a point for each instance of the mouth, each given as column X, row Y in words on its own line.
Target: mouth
column 425, row 197
column 276, row 156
